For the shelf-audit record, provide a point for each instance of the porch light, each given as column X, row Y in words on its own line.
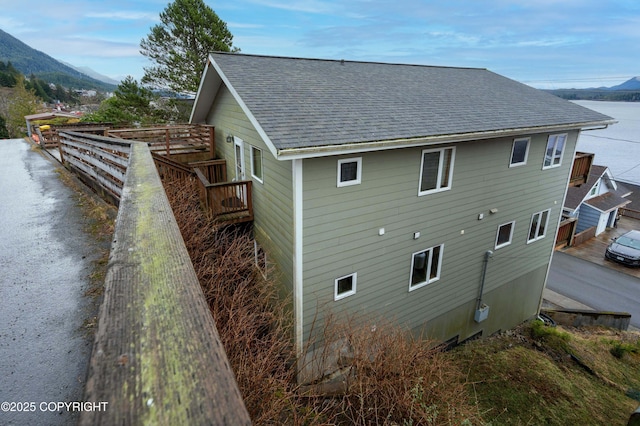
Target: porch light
column 229, row 138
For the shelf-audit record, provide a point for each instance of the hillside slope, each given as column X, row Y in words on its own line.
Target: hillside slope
column 31, row 61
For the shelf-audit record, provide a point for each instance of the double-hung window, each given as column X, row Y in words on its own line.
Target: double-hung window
column 426, row 266
column 349, row 171
column 345, row 286
column 504, row 235
column 538, row 227
column 436, row 170
column 554, row 151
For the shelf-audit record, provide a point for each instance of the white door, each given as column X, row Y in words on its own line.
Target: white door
column 602, row 223
column 239, row 157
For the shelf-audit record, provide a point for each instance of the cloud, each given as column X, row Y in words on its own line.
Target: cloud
column 307, row 6
column 124, row 15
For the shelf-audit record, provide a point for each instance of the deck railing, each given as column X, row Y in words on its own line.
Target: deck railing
column 581, row 168
column 229, row 202
column 157, row 357
column 172, row 140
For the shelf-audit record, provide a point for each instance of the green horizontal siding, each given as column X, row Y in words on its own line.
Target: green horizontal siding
column 273, row 199
column 341, row 228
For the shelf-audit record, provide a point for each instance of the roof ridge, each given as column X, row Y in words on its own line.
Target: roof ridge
column 344, row 61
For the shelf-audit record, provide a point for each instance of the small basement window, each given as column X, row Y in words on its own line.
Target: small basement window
column 345, row 286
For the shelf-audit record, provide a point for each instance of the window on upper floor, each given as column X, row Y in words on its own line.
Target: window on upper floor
column 538, row 227
column 349, row 171
column 555, row 150
column 436, row 170
column 425, row 267
column 519, row 152
column 594, row 190
column 345, row 286
column 256, row 163
column 504, row 234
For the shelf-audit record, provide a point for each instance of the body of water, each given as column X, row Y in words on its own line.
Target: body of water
column 618, row 146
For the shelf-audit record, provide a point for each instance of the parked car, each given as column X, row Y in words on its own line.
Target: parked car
column 625, row 249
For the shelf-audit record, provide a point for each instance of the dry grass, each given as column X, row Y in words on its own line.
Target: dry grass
column 391, row 379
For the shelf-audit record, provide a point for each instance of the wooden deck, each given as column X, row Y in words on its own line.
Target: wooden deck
column 593, row 249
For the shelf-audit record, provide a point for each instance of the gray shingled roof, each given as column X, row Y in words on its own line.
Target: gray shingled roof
column 303, row 103
column 577, row 194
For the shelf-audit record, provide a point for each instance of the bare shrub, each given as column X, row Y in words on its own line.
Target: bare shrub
column 390, row 378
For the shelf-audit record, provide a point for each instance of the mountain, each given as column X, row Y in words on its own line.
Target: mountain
column 629, row 91
column 31, row 61
column 93, row 74
column 631, row 84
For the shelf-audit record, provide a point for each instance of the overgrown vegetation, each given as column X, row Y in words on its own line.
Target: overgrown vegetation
column 534, row 374
column 538, row 374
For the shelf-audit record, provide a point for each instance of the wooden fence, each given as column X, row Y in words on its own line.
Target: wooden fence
column 634, row 214
column 100, row 162
column 157, row 357
column 583, row 236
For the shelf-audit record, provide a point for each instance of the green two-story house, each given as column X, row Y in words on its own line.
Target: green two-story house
column 426, row 195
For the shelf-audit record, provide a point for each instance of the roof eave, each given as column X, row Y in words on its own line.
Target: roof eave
column 380, row 145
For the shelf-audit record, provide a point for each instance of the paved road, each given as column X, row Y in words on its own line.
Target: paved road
column 594, row 285
column 45, row 260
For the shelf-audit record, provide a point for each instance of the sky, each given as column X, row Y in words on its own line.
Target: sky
column 546, row 44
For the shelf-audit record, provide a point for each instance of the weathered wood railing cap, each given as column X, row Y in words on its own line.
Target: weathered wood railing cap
column 157, row 357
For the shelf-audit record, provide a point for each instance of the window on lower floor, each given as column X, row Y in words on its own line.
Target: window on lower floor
column 349, row 171
column 554, row 151
column 425, row 267
column 519, row 152
column 538, row 227
column 505, row 234
column 345, row 286
column 436, row 170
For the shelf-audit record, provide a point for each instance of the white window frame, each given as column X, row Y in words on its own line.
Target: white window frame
column 358, row 179
column 354, row 281
column 429, row 260
column 552, row 143
column 439, row 178
column 513, row 226
column 238, row 148
column 537, row 235
column 513, row 150
column 253, row 168
column 595, row 190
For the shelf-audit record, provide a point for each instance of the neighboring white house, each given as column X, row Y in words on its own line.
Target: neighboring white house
column 596, row 202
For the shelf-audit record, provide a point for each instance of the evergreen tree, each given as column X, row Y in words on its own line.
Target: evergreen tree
column 181, row 43
column 21, row 103
column 131, row 103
